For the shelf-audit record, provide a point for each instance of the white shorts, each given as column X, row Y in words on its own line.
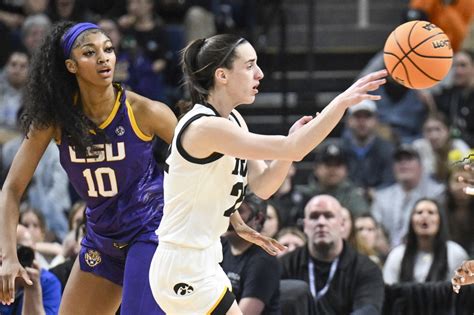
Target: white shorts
column 188, row 281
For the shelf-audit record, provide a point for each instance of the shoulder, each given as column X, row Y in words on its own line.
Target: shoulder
column 456, row 249
column 386, row 192
column 144, row 105
column 397, row 253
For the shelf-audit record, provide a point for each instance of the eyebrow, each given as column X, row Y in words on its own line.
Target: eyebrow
column 92, row 45
column 251, row 60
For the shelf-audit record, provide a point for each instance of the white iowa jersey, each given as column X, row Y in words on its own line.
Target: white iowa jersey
column 199, row 194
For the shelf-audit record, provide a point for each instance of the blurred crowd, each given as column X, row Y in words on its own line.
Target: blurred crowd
column 387, row 188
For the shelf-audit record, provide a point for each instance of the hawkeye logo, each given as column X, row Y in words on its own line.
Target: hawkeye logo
column 183, row 289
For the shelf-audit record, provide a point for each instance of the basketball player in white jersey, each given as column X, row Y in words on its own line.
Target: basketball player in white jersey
column 212, row 160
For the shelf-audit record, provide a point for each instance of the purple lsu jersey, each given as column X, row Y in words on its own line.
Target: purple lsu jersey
column 119, row 180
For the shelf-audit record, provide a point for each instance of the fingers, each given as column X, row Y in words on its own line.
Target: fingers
column 456, row 286
column 24, row 275
column 375, row 75
column 273, row 247
column 8, row 290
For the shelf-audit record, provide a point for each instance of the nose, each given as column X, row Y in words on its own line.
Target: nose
column 102, row 57
column 320, row 220
column 260, row 74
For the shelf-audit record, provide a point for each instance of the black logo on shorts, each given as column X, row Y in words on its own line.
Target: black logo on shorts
column 183, row 289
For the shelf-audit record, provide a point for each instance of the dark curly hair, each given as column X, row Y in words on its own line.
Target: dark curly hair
column 52, row 92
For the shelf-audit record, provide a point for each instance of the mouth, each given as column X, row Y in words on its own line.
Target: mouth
column 424, row 225
column 105, row 72
column 255, row 88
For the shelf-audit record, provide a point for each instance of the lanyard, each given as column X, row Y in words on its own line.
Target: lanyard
column 312, row 278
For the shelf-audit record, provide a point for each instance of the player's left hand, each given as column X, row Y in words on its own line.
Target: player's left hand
column 268, row 244
column 464, row 275
column 300, row 123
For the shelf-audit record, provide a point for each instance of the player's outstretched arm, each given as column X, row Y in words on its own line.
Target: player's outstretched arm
column 214, row 134
column 464, row 275
column 20, row 174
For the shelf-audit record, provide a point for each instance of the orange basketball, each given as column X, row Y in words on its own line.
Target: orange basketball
column 418, row 54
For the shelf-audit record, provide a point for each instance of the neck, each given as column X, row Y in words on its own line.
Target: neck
column 221, row 102
column 425, row 243
column 409, row 185
column 363, row 141
column 327, row 253
column 97, row 102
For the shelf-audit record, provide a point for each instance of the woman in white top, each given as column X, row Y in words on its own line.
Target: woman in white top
column 427, row 255
column 212, row 159
column 437, row 149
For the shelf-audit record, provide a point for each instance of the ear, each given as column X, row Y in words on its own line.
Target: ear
column 221, row 75
column 71, row 66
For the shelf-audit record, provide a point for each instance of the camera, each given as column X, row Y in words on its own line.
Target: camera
column 26, row 255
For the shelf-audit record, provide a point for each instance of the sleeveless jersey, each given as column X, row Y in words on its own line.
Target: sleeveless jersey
column 119, row 180
column 200, row 194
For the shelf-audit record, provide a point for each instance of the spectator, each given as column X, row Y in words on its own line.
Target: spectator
column 437, row 149
column 457, row 101
column 459, row 206
column 453, row 17
column 48, row 192
column 45, row 248
column 288, row 200
column 33, row 31
column 271, row 225
column 401, row 111
column 292, row 238
column 332, row 268
column 347, row 223
column 250, row 269
column 366, row 230
column 428, row 255
column 68, row 10
column 76, row 214
column 43, row 295
column 12, row 82
column 200, row 20
column 144, row 38
column 392, row 205
column 330, row 177
column 370, row 157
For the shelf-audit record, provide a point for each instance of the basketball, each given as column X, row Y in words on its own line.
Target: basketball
column 418, row 54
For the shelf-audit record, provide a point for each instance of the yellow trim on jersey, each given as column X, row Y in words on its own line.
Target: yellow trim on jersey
column 218, row 301
column 134, row 124
column 113, row 112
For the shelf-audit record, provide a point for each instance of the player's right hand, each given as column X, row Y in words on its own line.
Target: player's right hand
column 9, row 271
column 359, row 91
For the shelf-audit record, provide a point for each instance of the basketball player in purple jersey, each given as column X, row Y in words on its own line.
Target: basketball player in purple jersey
column 104, row 138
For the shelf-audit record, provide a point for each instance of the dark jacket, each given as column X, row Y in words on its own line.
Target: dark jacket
column 357, row 287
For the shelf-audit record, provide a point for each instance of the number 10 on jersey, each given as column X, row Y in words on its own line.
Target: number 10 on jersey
column 95, row 182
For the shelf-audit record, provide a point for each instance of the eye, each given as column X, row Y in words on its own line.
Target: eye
column 88, row 53
column 110, row 49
